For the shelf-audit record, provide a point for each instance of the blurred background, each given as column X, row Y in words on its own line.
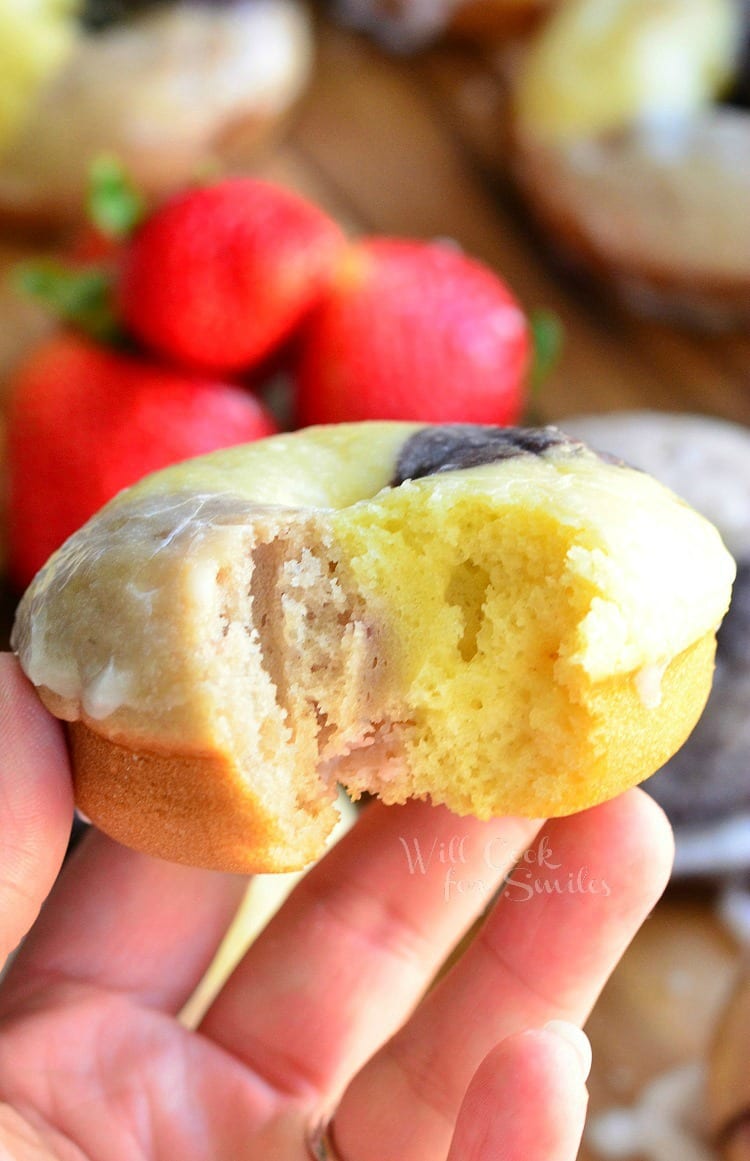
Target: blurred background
column 595, row 154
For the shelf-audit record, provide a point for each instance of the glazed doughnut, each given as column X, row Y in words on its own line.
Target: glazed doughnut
column 704, row 788
column 704, row 459
column 660, row 212
column 494, row 618
column 34, row 42
column 626, row 158
column 170, row 91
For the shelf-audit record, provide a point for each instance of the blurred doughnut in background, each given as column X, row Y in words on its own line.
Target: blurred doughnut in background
column 631, row 145
column 704, row 788
column 170, row 89
column 626, row 129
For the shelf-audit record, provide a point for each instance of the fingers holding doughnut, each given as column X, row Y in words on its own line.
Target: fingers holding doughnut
column 540, row 956
column 527, row 1100
column 344, row 962
column 127, row 922
column 36, row 804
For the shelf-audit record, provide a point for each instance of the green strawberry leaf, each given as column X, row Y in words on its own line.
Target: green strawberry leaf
column 81, row 297
column 547, row 336
column 114, row 204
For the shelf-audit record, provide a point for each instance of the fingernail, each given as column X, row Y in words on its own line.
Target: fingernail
column 577, row 1038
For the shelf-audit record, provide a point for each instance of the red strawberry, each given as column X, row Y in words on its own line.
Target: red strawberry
column 85, row 421
column 222, row 274
column 414, row 330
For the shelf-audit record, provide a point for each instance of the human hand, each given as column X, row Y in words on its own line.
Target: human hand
column 324, row 1010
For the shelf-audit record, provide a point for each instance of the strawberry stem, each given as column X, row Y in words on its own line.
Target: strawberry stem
column 547, row 335
column 114, row 205
column 81, row 297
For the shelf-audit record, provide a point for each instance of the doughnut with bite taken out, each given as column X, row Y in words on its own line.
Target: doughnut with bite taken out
column 496, row 619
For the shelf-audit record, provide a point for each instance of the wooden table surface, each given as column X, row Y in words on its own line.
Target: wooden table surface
column 414, row 146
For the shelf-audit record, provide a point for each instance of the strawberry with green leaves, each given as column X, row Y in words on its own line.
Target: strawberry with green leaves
column 91, row 412
column 414, row 330
column 221, row 275
column 85, row 421
column 216, row 283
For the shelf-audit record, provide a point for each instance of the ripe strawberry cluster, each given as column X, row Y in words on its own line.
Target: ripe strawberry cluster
column 194, row 304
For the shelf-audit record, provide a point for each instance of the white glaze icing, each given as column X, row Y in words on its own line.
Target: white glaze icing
column 663, row 579
column 145, row 536
column 704, row 460
column 106, row 692
column 648, row 683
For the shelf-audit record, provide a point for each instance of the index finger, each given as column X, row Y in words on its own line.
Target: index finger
column 36, row 804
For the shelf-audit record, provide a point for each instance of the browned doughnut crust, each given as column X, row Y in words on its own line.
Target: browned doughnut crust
column 190, row 808
column 198, row 808
column 669, row 229
column 46, row 210
column 148, row 91
column 495, row 19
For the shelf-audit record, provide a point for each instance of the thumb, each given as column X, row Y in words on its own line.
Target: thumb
column 36, row 804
